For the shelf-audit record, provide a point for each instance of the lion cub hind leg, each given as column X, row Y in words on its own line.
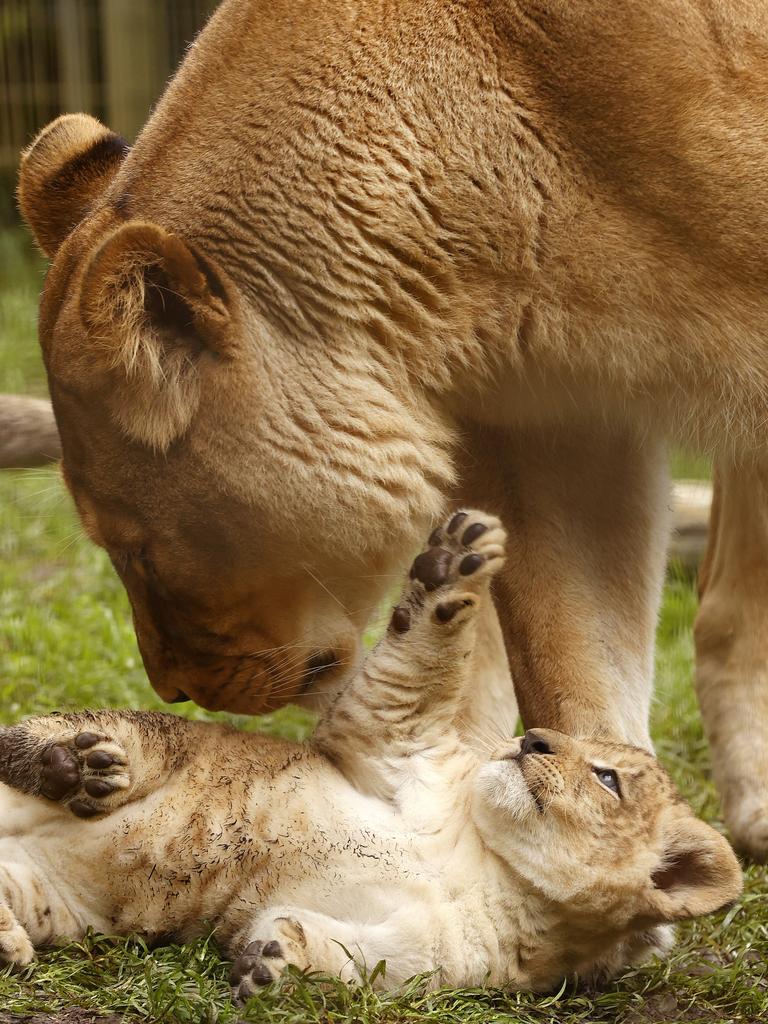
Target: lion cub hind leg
column 301, row 938
column 90, row 763
column 35, row 907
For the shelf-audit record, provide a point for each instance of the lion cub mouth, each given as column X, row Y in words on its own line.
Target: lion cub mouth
column 518, row 754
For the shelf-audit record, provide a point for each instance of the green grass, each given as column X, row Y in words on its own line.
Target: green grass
column 20, row 282
column 66, row 642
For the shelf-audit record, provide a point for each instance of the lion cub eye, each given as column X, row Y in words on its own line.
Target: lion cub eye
column 609, row 779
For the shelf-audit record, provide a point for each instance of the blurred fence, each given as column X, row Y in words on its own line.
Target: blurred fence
column 110, row 58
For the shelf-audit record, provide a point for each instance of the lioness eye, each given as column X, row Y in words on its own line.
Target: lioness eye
column 148, row 565
column 609, row 779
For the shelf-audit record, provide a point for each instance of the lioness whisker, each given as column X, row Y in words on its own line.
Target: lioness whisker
column 285, row 683
column 278, row 650
column 322, row 585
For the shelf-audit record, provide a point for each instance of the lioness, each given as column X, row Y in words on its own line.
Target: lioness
column 388, row 838
column 359, row 245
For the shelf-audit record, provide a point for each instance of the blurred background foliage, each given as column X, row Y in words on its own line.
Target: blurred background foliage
column 110, row 58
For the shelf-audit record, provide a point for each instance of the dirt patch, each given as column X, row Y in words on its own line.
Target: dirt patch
column 665, row 1009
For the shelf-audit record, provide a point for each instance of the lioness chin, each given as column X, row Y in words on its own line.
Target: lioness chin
column 387, row 838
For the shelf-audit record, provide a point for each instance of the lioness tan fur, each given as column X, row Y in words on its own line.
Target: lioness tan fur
column 388, row 838
column 368, row 257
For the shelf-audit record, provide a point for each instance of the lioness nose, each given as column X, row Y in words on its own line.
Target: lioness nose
column 534, row 743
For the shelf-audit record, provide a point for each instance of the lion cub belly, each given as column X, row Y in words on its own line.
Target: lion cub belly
column 212, row 845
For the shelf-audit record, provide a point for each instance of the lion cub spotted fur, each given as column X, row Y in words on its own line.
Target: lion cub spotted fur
column 387, row 838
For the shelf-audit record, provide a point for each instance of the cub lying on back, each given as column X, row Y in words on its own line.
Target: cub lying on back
column 386, row 836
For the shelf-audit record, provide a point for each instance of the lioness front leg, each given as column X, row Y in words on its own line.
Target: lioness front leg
column 94, row 762
column 587, row 511
column 732, row 651
column 409, row 691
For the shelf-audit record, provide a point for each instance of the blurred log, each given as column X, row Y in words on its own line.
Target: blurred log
column 690, row 522
column 28, row 435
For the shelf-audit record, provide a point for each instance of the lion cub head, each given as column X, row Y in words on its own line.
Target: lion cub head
column 604, row 844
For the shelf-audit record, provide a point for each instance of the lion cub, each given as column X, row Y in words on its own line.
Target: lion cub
column 385, row 838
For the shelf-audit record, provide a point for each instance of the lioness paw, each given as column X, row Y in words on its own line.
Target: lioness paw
column 15, row 945
column 447, row 577
column 263, row 961
column 87, row 772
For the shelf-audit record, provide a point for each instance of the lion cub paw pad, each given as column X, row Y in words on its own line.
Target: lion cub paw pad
column 461, row 556
column 261, row 962
column 467, row 544
column 88, row 773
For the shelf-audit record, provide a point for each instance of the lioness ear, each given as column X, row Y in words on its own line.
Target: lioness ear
column 698, row 873
column 66, row 168
column 155, row 310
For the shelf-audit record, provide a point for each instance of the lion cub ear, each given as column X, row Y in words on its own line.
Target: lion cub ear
column 156, row 312
column 698, row 873
column 63, row 172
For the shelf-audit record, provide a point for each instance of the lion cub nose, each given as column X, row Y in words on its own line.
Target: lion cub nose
column 534, row 743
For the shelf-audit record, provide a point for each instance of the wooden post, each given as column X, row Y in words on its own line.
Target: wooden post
column 136, row 63
column 76, row 65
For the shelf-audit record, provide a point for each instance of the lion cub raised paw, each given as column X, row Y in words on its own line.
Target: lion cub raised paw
column 448, row 576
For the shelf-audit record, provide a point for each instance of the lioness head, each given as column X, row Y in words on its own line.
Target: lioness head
column 256, row 489
column 605, row 843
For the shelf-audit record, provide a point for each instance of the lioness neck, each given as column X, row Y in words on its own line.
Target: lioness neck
column 317, row 169
column 452, row 186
